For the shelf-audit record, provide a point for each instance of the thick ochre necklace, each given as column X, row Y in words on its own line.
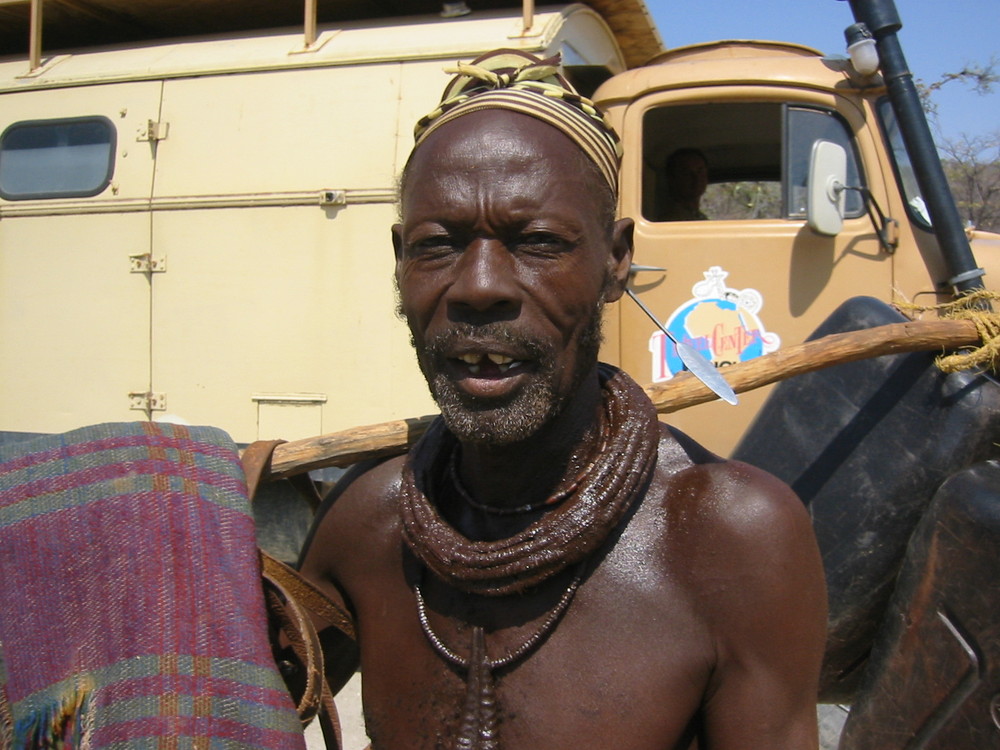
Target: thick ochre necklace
column 568, row 534
column 563, row 536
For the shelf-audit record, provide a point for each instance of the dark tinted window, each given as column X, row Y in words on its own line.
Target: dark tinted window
column 56, row 158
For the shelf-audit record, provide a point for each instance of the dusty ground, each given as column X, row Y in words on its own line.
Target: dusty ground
column 349, row 708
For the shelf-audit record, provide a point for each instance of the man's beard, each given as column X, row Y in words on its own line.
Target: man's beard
column 513, row 419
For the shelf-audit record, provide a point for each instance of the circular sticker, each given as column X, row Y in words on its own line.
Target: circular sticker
column 720, row 322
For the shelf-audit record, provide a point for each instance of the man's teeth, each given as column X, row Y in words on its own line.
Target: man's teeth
column 503, row 362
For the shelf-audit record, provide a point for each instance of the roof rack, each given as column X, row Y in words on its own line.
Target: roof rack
column 72, row 24
column 35, row 28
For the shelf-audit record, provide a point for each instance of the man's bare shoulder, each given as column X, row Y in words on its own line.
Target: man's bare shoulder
column 732, row 523
column 731, row 498
column 367, row 489
column 358, row 515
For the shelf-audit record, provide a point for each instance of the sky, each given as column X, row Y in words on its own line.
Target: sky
column 937, row 37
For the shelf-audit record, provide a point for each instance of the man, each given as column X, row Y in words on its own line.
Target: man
column 686, row 171
column 551, row 567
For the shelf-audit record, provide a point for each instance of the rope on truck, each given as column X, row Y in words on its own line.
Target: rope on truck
column 977, row 307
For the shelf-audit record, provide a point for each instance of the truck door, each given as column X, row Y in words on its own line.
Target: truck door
column 75, row 180
column 746, row 275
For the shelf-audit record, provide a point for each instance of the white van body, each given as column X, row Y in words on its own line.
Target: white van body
column 236, row 269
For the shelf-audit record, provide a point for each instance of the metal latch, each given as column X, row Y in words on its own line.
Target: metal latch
column 147, row 401
column 146, row 263
column 333, row 198
column 152, row 131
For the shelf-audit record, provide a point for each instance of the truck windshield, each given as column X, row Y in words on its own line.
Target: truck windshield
column 901, row 165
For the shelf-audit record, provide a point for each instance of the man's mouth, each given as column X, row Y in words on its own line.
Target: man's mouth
column 488, row 364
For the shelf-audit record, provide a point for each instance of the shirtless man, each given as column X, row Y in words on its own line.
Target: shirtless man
column 551, row 567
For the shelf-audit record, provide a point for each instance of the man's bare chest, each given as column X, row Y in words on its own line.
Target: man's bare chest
column 625, row 661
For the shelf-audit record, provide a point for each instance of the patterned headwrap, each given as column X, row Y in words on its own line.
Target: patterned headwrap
column 520, row 82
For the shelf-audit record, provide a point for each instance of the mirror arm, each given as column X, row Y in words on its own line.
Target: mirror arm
column 882, row 223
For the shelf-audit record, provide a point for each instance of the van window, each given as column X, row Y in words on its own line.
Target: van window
column 56, row 158
column 756, row 155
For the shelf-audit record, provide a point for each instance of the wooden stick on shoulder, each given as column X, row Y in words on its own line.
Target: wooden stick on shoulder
column 391, row 438
column 348, row 446
column 684, row 390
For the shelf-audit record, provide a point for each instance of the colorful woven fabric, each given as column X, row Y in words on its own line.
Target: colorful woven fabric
column 131, row 612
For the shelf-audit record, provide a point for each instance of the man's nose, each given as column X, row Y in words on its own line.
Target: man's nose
column 485, row 280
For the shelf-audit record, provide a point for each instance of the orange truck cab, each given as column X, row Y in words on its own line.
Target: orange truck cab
column 755, row 271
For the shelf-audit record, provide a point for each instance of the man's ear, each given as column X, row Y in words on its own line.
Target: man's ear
column 620, row 259
column 397, row 241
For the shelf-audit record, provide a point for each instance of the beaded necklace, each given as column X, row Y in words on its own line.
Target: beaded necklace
column 479, row 729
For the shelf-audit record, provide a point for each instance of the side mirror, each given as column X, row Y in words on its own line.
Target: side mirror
column 825, row 188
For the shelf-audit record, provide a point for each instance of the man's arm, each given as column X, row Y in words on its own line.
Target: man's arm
column 321, row 554
column 767, row 602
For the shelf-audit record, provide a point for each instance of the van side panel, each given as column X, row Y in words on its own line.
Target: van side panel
column 74, row 314
column 283, row 307
column 262, row 189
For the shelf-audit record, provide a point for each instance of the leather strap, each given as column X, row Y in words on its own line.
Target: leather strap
column 291, row 599
column 256, row 460
column 294, row 622
column 307, row 594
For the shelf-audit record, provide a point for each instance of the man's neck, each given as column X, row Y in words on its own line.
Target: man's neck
column 527, row 472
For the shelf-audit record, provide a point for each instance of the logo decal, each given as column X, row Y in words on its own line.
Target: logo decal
column 720, row 322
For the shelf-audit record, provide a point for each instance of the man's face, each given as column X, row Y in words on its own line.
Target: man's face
column 503, row 261
column 689, row 177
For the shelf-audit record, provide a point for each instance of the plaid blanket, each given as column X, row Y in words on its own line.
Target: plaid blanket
column 131, row 612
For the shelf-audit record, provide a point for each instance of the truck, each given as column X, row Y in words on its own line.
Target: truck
column 194, row 227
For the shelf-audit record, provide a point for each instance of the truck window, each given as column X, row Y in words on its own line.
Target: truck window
column 756, row 155
column 905, row 177
column 62, row 158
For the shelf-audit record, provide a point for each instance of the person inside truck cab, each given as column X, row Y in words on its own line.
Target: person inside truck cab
column 686, row 173
column 550, row 566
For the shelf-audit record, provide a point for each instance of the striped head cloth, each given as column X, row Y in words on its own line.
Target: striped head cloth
column 520, row 82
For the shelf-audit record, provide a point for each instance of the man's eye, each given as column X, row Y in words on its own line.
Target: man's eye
column 541, row 242
column 433, row 245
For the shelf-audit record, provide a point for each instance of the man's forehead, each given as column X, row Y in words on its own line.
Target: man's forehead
column 493, row 135
column 501, row 155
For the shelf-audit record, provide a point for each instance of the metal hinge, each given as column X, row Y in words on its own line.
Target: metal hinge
column 152, row 131
column 147, row 401
column 146, row 263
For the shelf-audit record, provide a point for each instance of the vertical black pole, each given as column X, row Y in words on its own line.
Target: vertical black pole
column 882, row 20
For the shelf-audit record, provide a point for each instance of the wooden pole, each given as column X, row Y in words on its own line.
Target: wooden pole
column 836, row 349
column 391, row 438
column 347, row 447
